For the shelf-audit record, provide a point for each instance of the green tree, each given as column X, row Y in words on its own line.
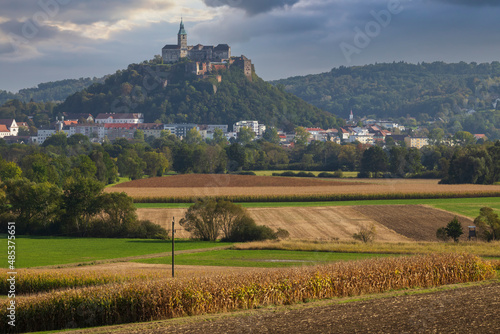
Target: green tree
column 454, row 229
column 81, row 202
column 245, row 135
column 156, row 164
column 488, row 224
column 193, row 137
column 139, row 135
column 271, row 135
column 131, row 165
column 301, row 136
column 219, row 138
column 9, row 170
column 464, row 138
column 36, row 205
column 374, row 160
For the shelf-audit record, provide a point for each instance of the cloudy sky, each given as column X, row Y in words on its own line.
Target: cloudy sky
column 47, row 40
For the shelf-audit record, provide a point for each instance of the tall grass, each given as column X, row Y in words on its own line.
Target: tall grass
column 491, row 249
column 153, row 300
column 319, row 197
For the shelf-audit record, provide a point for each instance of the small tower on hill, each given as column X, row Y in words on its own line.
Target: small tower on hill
column 351, row 117
column 182, row 40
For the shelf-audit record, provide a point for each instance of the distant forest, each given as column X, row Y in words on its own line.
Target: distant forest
column 50, row 91
column 425, row 91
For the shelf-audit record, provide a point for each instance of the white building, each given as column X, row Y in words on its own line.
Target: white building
column 11, row 126
column 363, row 139
column 93, row 131
column 119, row 118
column 257, row 128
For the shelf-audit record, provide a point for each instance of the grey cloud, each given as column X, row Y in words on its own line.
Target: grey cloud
column 252, row 7
column 78, row 11
column 473, row 2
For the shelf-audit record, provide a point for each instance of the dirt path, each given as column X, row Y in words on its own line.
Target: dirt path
column 462, row 310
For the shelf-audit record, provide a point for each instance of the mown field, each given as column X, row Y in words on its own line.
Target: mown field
column 261, row 258
column 463, row 206
column 51, row 251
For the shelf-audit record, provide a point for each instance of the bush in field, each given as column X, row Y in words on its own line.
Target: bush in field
column 245, row 229
column 488, row 224
column 441, row 234
column 208, row 219
column 454, row 229
column 366, row 233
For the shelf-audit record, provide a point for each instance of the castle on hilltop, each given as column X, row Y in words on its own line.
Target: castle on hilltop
column 174, row 53
column 204, row 58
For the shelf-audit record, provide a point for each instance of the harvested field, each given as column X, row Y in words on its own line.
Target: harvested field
column 412, row 221
column 209, row 185
column 394, row 223
column 226, row 181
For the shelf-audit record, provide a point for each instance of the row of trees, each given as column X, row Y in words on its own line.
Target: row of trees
column 79, row 208
column 61, row 157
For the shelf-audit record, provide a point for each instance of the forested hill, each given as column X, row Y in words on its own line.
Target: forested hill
column 50, row 91
column 165, row 93
column 398, row 89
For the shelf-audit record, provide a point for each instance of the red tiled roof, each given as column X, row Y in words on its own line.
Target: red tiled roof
column 3, row 128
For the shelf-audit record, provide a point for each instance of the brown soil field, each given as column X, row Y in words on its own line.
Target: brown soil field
column 462, row 310
column 226, row 181
column 394, row 223
column 416, row 222
column 264, row 187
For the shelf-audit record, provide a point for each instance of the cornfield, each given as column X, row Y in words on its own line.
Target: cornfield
column 319, row 197
column 163, row 299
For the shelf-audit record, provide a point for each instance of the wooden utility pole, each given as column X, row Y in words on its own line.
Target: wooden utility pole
column 173, row 246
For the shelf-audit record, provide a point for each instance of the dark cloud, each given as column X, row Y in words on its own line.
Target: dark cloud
column 78, row 11
column 473, row 2
column 252, row 7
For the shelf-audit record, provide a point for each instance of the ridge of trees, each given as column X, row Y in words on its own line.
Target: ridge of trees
column 391, row 90
column 52, row 91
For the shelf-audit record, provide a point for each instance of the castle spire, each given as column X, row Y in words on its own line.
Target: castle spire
column 182, row 31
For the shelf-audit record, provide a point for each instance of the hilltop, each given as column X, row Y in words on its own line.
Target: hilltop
column 169, row 94
column 50, row 91
column 425, row 90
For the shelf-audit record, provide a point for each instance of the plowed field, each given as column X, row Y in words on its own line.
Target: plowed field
column 393, row 222
column 196, row 185
column 225, row 180
column 413, row 221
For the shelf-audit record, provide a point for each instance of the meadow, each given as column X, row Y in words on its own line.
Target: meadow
column 260, row 258
column 52, row 251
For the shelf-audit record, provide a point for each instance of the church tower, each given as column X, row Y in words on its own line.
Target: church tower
column 182, row 41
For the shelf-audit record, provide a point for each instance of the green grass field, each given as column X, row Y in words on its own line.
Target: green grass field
column 260, row 258
column 464, row 206
column 40, row 251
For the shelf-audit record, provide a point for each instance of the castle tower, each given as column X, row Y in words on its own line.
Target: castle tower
column 182, row 40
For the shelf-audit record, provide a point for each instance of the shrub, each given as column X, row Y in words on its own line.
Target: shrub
column 454, row 229
column 246, row 230
column 441, row 234
column 488, row 224
column 366, row 233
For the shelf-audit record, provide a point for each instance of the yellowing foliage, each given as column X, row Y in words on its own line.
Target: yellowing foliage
column 147, row 300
